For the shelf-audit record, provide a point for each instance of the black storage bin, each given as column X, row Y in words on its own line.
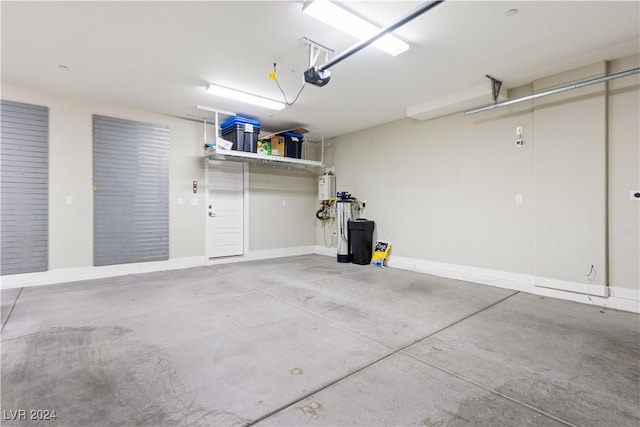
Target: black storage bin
column 293, row 144
column 361, row 240
column 242, row 132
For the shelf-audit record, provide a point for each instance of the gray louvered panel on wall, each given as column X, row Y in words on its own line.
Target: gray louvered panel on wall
column 24, row 187
column 131, row 201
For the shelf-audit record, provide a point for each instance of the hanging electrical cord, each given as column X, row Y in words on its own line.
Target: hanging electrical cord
column 274, row 76
column 324, row 234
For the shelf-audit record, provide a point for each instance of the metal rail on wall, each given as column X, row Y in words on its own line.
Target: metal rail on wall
column 557, row 90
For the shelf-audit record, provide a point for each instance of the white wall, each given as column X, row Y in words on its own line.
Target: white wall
column 282, row 206
column 570, row 176
column 70, row 174
column 624, row 176
column 444, row 190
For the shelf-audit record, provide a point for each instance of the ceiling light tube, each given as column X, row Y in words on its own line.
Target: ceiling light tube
column 248, row 98
column 341, row 19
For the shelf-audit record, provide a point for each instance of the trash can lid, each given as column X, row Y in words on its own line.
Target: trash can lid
column 361, row 224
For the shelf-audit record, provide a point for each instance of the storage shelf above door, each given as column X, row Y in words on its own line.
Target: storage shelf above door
column 242, row 156
column 214, row 151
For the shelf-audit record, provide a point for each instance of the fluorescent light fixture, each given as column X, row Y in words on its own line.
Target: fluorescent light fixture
column 237, row 95
column 343, row 20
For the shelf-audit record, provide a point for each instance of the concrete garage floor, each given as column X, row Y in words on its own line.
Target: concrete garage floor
column 307, row 341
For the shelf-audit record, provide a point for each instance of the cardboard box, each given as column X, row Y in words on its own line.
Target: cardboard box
column 277, row 146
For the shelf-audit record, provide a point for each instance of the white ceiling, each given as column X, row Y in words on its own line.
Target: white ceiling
column 159, row 56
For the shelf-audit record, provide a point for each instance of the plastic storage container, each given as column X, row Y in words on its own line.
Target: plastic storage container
column 242, row 132
column 361, row 240
column 293, row 144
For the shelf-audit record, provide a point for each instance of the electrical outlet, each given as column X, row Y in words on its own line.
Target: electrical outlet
column 519, row 141
column 634, row 195
column 519, row 132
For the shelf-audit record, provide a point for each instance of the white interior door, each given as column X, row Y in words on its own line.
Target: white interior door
column 225, row 209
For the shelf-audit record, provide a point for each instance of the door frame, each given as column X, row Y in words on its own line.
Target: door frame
column 245, row 209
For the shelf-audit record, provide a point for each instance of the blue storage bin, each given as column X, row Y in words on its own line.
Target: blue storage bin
column 242, row 132
column 293, row 144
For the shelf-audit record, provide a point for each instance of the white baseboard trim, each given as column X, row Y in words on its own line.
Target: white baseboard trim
column 624, row 293
column 501, row 279
column 87, row 273
column 323, row 250
column 64, row 275
column 279, row 253
column 581, row 288
column 619, row 298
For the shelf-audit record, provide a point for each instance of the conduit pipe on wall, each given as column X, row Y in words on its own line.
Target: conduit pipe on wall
column 557, row 90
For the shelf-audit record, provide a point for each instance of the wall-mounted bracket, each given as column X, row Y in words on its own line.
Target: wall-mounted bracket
column 495, row 88
column 315, row 49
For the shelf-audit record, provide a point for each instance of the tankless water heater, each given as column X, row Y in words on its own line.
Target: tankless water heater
column 327, row 187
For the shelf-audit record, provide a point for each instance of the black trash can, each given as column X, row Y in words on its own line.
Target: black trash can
column 361, row 240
